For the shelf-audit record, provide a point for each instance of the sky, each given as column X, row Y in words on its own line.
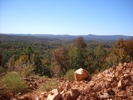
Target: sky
column 72, row 17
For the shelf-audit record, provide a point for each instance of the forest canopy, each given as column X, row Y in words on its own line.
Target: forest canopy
column 53, row 58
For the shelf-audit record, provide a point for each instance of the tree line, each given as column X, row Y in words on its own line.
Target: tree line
column 54, row 59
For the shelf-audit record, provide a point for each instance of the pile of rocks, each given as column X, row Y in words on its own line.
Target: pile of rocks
column 115, row 83
column 33, row 82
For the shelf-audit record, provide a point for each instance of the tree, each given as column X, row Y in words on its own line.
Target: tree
column 80, row 43
column 37, row 63
column 91, row 60
column 11, row 64
column 60, row 57
column 1, row 60
column 121, row 51
column 129, row 49
column 78, row 54
column 23, row 65
column 100, row 56
column 39, row 66
column 28, row 51
column 75, row 58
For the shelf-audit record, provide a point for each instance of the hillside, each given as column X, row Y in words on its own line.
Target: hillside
column 31, row 69
column 26, row 38
column 115, row 83
column 70, row 37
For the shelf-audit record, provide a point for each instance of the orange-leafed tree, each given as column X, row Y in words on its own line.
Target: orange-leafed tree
column 129, row 49
column 121, row 51
column 60, row 58
column 23, row 65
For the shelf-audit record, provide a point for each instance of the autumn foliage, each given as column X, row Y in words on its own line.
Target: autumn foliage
column 55, row 59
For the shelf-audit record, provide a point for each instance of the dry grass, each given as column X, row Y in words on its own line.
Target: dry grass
column 70, row 75
column 49, row 85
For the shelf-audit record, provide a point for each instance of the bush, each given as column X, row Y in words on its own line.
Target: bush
column 14, row 82
column 49, row 85
column 70, row 75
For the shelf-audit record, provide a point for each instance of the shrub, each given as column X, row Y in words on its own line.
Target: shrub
column 70, row 75
column 49, row 85
column 14, row 82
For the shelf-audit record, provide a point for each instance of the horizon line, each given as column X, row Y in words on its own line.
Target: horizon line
column 65, row 34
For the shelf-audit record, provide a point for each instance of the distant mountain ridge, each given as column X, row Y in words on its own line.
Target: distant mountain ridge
column 68, row 37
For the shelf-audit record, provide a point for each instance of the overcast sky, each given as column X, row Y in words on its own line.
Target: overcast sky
column 73, row 17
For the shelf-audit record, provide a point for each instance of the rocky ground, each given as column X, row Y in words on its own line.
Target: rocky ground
column 115, row 83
